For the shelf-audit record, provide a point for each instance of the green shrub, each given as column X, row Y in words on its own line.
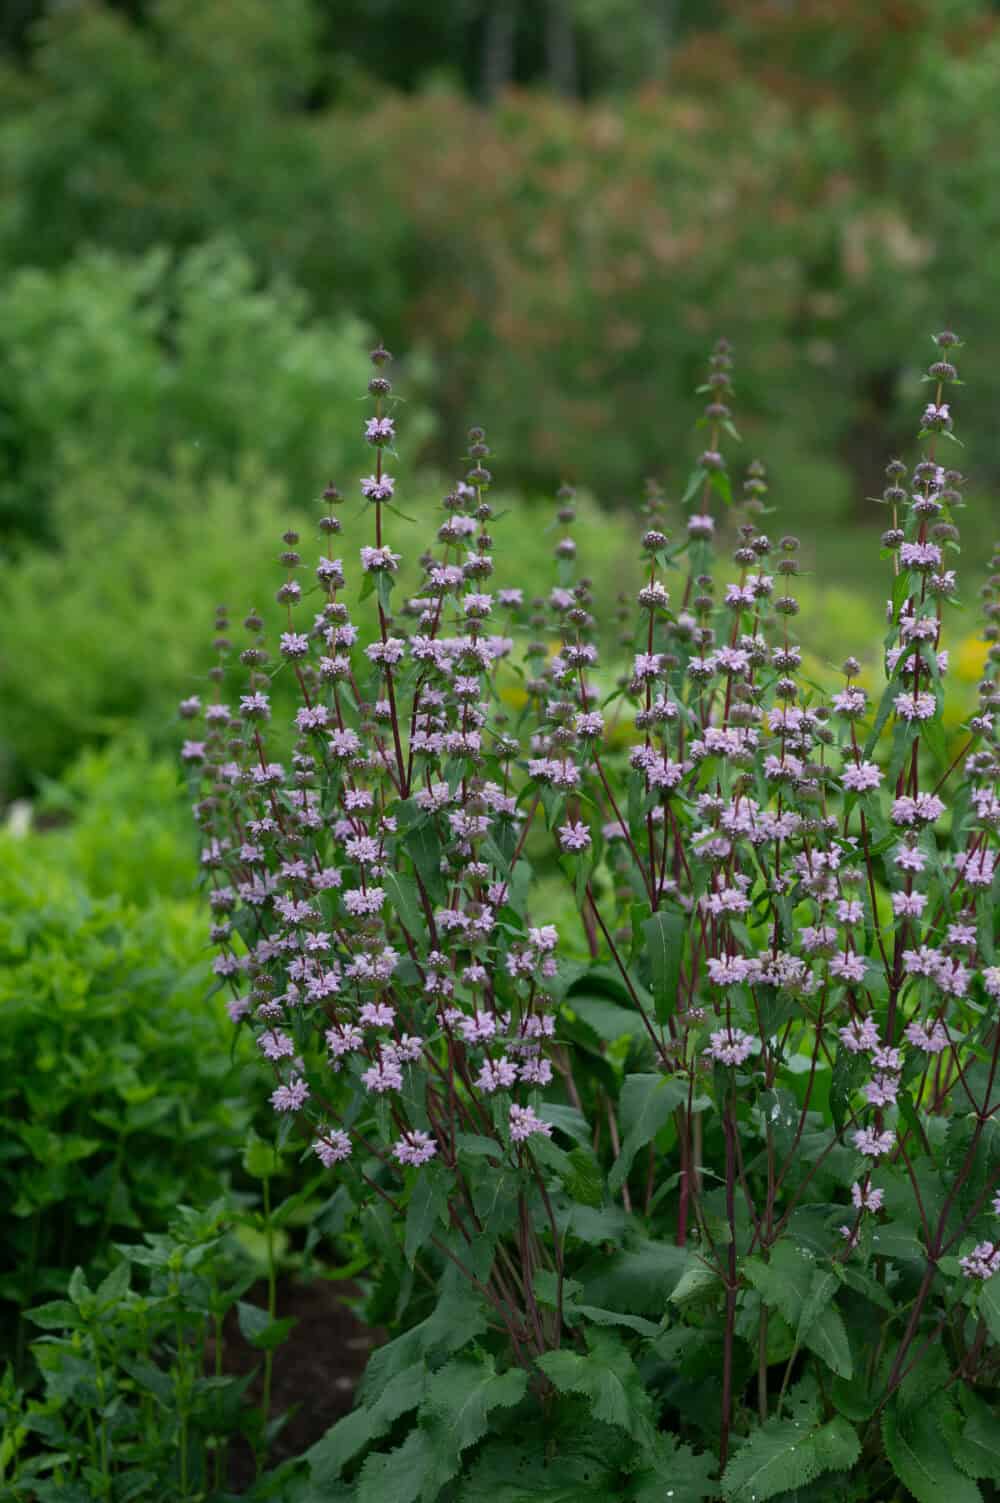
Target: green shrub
column 119, row 1098
column 159, row 363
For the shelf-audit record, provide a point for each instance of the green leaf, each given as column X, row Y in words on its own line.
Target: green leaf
column 665, row 933
column 981, row 1440
column 57, row 1315
column 695, row 1282
column 115, row 1286
column 608, row 1020
column 600, row 1317
column 585, row 1182
column 792, row 1284
column 785, row 1454
column 989, row 1306
column 257, row 1327
column 399, row 1476
column 529, row 1473
column 821, row 1327
column 405, row 899
column 261, row 1160
column 78, row 1288
column 424, row 849
column 646, row 1104
column 608, row 1378
column 428, row 1200
column 639, row 1279
column 456, row 1411
column 673, row 1473
column 456, row 1319
column 920, row 1459
column 344, row 1440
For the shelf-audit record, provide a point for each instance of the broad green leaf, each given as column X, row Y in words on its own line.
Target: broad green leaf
column 608, row 1020
column 639, row 1279
column 568, row 1120
column 456, row 1411
column 600, row 1317
column 57, row 1315
column 989, row 1306
column 399, row 1476
column 646, row 1105
column 456, row 1319
column 915, row 1447
column 981, row 1440
column 673, row 1473
column 694, row 1282
column 821, row 1327
column 608, row 1379
column 525, row 1473
column 784, row 1454
column 344, row 1440
column 115, row 1286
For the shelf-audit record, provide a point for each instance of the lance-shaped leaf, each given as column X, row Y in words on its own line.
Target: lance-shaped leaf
column 646, row 1104
column 664, row 933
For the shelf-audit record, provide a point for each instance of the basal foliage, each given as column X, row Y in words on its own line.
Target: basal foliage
column 698, row 1196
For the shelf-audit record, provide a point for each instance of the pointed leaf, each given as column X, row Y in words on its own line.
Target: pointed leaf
column 920, row 1459
column 647, row 1103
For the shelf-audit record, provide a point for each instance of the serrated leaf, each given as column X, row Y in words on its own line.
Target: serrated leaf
column 989, row 1306
column 821, row 1327
column 115, row 1285
column 456, row 1411
column 646, row 1104
column 785, row 1454
column 981, row 1441
column 507, row 1473
column 398, row 1476
column 694, row 1282
column 456, row 1319
column 673, row 1472
column 920, row 1459
column 344, row 1440
column 608, row 1378
column 57, row 1315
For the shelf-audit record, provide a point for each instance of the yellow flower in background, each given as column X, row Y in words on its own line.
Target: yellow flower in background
column 970, row 658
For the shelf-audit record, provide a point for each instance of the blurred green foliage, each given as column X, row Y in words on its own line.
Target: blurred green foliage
column 122, row 1094
column 150, row 365
column 816, row 180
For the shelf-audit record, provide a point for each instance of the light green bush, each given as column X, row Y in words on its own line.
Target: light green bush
column 170, row 363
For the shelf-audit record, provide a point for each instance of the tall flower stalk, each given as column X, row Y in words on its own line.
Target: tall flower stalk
column 766, row 1061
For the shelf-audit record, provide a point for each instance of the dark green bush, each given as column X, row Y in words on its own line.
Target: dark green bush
column 122, row 1095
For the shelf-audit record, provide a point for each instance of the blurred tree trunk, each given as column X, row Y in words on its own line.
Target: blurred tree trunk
column 560, row 48
column 498, row 48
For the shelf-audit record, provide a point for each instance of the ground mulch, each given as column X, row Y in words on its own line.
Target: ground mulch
column 315, row 1371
